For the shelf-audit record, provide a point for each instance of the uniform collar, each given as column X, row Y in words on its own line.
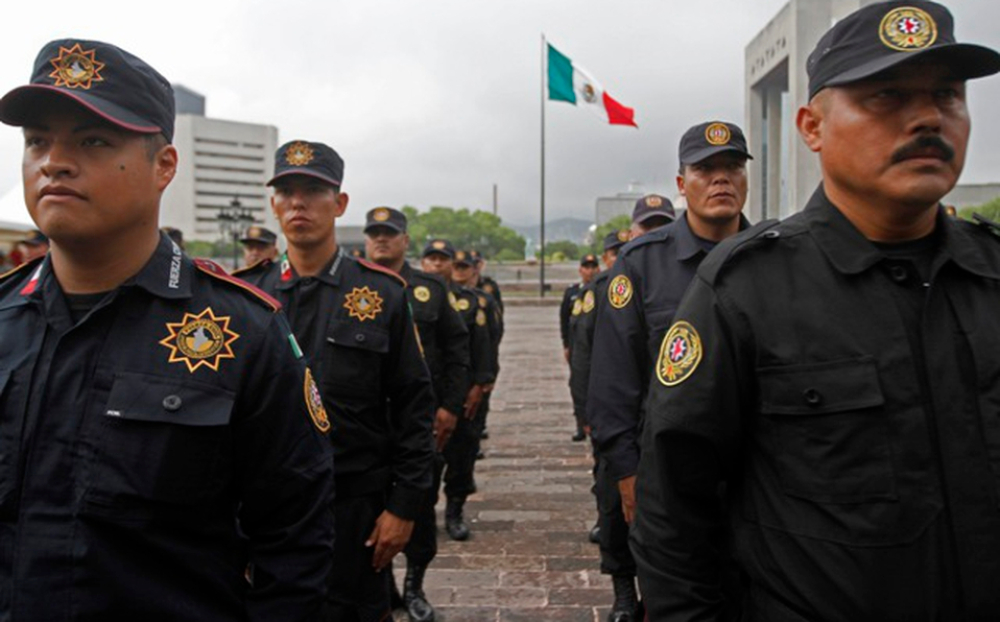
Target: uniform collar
column 688, row 244
column 330, row 274
column 406, row 271
column 168, row 272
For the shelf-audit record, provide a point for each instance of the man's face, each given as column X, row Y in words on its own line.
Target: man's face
column 464, row 273
column 34, row 251
column 897, row 140
column 588, row 272
column 306, row 208
column 385, row 245
column 608, row 257
column 438, row 264
column 716, row 187
column 638, row 229
column 254, row 251
column 86, row 180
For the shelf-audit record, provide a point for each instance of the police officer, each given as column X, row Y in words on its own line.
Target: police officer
column 34, row 246
column 445, row 341
column 485, row 282
column 569, row 310
column 259, row 244
column 835, row 374
column 354, row 324
column 175, row 235
column 160, row 430
column 651, row 212
column 646, row 285
column 438, row 258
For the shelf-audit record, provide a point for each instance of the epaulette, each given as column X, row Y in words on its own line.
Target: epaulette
column 987, row 224
column 213, row 269
column 263, row 263
column 764, row 230
column 382, row 269
column 25, row 266
column 656, row 235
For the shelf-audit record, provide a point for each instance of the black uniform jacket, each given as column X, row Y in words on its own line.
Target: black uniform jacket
column 494, row 325
column 582, row 322
column 570, row 294
column 444, row 337
column 644, row 290
column 863, row 473
column 354, row 324
column 154, row 448
column 491, row 287
column 482, row 351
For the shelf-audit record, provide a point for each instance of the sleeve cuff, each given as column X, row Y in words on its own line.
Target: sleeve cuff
column 405, row 502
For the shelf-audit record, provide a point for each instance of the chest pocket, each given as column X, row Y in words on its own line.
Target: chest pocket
column 830, row 431
column 161, row 439
column 353, row 359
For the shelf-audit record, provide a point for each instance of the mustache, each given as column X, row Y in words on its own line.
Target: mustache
column 922, row 143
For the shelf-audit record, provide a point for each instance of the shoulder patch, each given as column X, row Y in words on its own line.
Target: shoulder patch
column 620, row 291
column 377, row 268
column 680, row 354
column 213, row 269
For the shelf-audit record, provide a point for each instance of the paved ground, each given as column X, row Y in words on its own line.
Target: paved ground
column 528, row 558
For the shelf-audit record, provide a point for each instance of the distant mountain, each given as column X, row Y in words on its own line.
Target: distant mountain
column 572, row 229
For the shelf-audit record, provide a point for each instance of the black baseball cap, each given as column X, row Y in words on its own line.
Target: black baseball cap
column 652, row 206
column 105, row 79
column 616, row 239
column 589, row 259
column 465, row 258
column 259, row 234
column 707, row 139
column 880, row 36
column 441, row 247
column 385, row 217
column 477, row 257
column 35, row 238
column 301, row 157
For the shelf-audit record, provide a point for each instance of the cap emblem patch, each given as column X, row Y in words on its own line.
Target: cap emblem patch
column 315, row 404
column 623, row 235
column 654, row 201
column 76, row 68
column 907, row 29
column 438, row 245
column 421, row 293
column 380, row 215
column 253, row 232
column 460, row 256
column 201, row 340
column 299, row 154
column 620, row 291
column 717, row 134
column 680, row 354
column 363, row 303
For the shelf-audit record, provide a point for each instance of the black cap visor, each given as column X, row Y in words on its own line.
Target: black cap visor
column 20, row 107
column 308, row 172
column 437, row 251
column 966, row 60
column 654, row 214
column 708, row 152
column 388, row 224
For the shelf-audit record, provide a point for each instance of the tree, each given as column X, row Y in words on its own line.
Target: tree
column 481, row 231
column 615, row 224
column 561, row 250
column 990, row 209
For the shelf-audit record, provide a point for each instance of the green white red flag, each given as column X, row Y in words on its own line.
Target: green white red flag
column 569, row 82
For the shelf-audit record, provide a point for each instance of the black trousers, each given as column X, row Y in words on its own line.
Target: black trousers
column 460, row 458
column 616, row 557
column 422, row 547
column 357, row 592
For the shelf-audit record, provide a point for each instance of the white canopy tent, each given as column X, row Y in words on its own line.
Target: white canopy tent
column 14, row 218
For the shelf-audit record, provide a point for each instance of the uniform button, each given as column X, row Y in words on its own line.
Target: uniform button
column 812, row 397
column 359, row 338
column 771, row 234
column 898, row 273
column 172, row 403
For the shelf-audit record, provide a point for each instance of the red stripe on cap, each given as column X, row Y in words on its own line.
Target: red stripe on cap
column 617, row 113
column 142, row 129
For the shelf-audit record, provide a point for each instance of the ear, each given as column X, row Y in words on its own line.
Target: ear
column 273, row 209
column 166, row 166
column 680, row 185
column 810, row 124
column 342, row 200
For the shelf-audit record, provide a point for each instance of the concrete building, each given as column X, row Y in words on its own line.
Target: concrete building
column 607, row 208
column 219, row 162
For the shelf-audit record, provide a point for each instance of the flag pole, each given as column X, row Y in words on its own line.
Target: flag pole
column 541, row 273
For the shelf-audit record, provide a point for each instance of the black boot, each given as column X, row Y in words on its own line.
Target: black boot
column 595, row 533
column 395, row 598
column 626, row 600
column 454, row 523
column 417, row 607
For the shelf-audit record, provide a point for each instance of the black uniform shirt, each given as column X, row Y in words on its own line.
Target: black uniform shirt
column 644, row 289
column 582, row 340
column 481, row 347
column 136, row 440
column 491, row 287
column 570, row 294
column 444, row 337
column 862, row 474
column 354, row 324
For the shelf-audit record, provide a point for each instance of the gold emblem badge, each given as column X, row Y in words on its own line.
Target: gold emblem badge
column 717, row 134
column 76, row 68
column 577, row 306
column 654, row 201
column 453, row 300
column 421, row 293
column 314, row 403
column 680, row 354
column 363, row 303
column 623, row 235
column 462, row 304
column 380, row 215
column 200, row 340
column 588, row 301
column 620, row 291
column 907, row 29
column 438, row 245
column 481, row 318
column 299, row 154
column 488, row 288
column 482, row 301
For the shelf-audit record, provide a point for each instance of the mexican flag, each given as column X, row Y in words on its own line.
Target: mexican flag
column 569, row 82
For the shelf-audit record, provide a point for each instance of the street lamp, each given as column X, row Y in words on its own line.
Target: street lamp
column 233, row 222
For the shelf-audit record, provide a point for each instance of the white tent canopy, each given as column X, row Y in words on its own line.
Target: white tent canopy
column 13, row 210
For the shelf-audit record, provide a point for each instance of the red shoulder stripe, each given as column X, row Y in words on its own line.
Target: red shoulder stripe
column 382, row 269
column 210, row 267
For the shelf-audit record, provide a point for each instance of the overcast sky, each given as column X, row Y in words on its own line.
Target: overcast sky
column 431, row 102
